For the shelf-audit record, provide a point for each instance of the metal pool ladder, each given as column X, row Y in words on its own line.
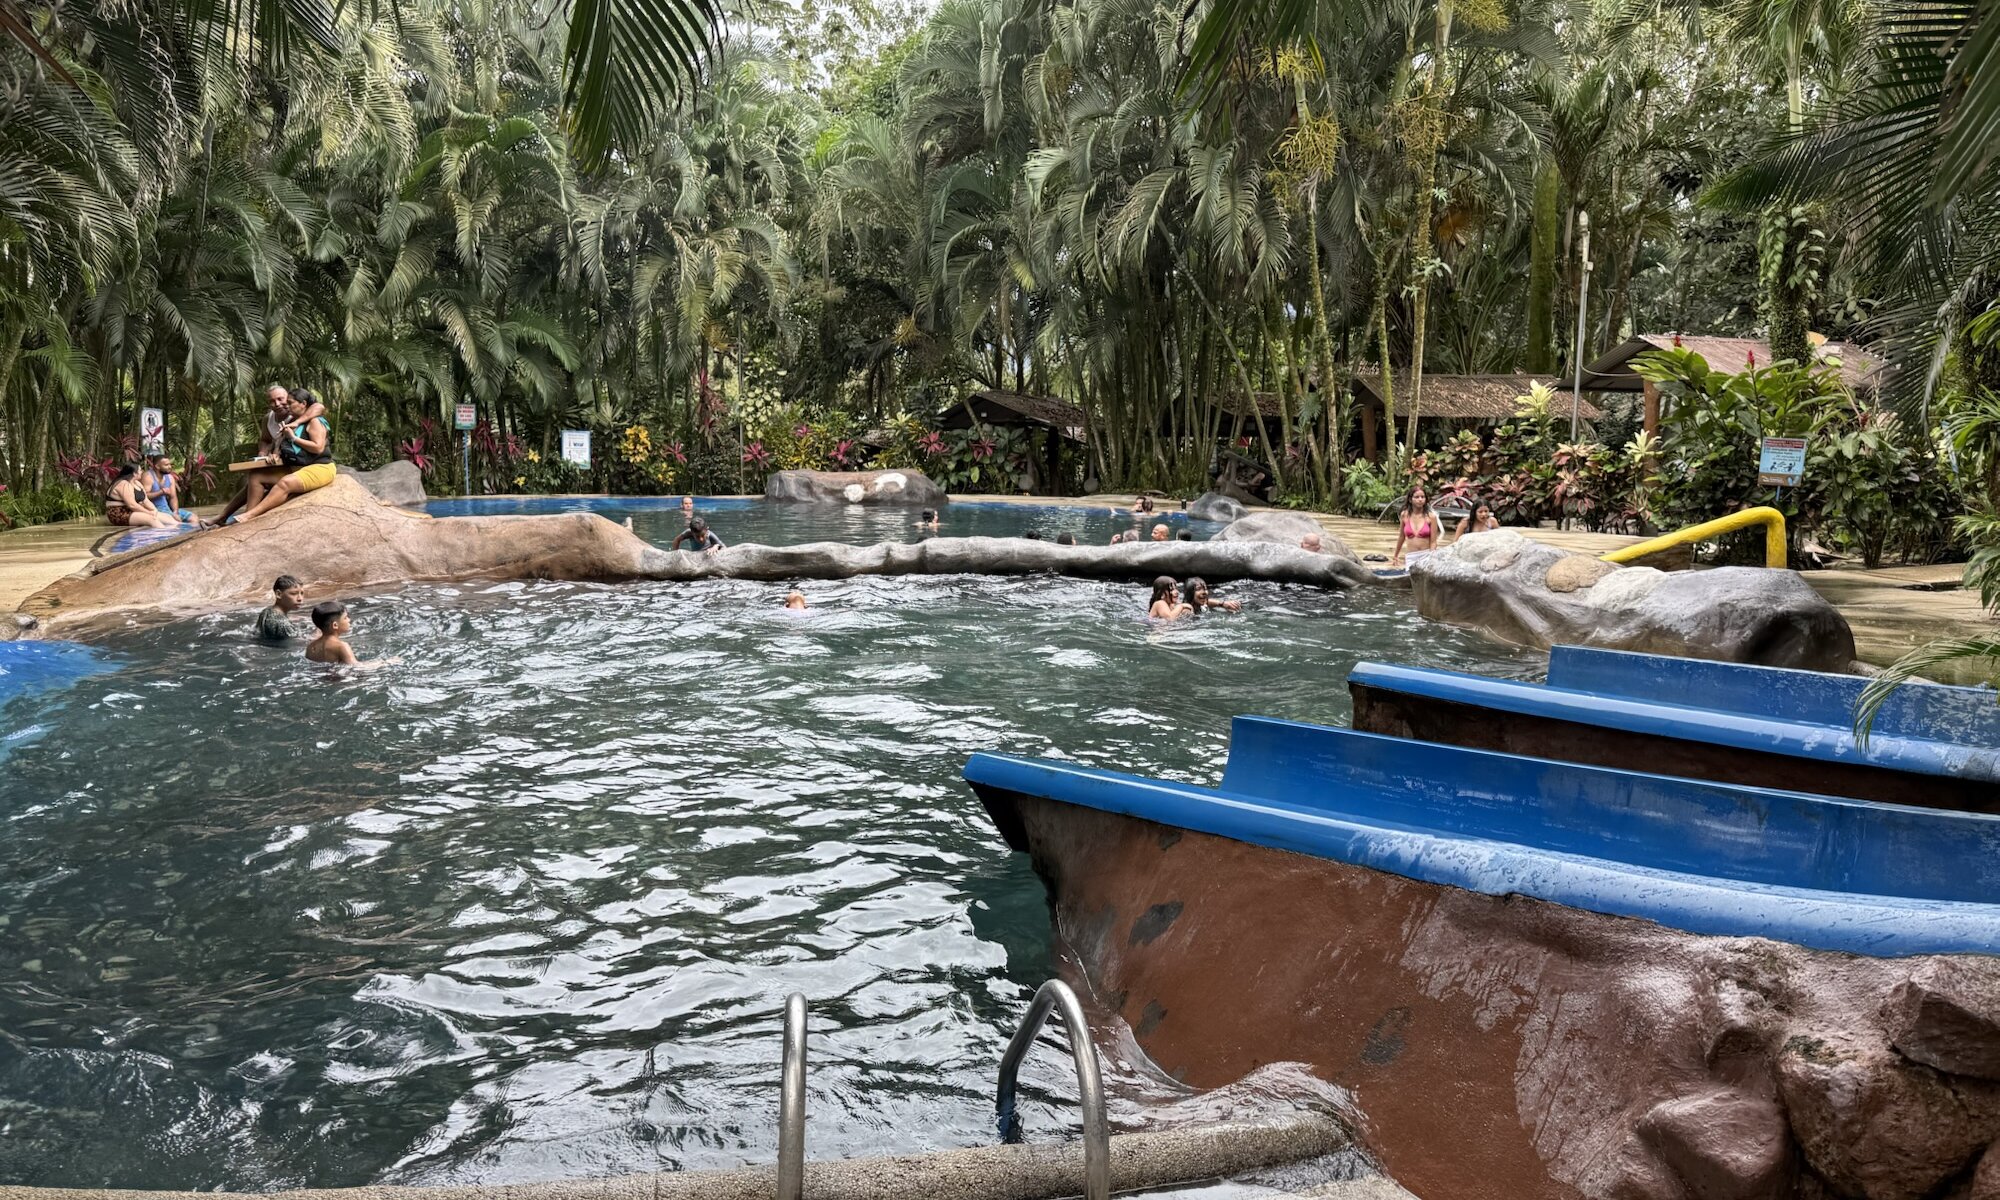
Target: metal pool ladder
column 1089, row 1090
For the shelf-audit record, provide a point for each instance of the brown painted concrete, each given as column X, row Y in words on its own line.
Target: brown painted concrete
column 1499, row 1046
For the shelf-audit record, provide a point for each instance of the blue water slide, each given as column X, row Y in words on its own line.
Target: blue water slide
column 1709, row 858
column 1924, row 711
column 1925, row 729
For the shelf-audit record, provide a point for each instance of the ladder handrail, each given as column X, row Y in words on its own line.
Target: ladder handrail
column 792, row 1103
column 1089, row 1084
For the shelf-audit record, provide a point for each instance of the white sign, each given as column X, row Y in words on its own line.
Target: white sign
column 152, row 431
column 465, row 417
column 1782, row 462
column 576, row 446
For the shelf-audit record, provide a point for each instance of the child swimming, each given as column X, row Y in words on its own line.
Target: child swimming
column 330, row 616
column 1166, row 604
column 1196, row 596
column 796, row 600
column 274, row 624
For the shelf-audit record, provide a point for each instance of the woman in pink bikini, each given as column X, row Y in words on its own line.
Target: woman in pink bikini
column 1419, row 532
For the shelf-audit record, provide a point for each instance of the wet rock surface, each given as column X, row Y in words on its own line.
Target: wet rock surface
column 399, row 482
column 1537, row 595
column 855, row 487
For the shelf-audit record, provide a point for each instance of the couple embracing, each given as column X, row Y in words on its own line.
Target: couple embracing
column 295, row 453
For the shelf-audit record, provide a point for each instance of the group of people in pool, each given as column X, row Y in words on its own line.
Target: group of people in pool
column 294, row 456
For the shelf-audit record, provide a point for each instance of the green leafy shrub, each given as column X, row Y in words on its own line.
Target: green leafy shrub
column 55, row 502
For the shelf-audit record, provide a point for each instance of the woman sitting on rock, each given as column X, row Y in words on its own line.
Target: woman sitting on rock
column 1418, row 533
column 305, row 447
column 1195, row 595
column 126, row 504
column 1166, row 605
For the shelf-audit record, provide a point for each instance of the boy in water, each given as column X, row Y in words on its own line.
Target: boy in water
column 796, row 601
column 274, row 624
column 331, row 618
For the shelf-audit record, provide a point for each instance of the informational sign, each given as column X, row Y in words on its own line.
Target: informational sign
column 152, row 431
column 465, row 418
column 576, row 446
column 1782, row 462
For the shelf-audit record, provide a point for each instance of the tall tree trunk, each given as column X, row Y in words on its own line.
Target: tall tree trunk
column 1426, row 141
column 1542, row 270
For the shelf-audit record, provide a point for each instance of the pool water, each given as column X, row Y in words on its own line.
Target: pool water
column 526, row 904
column 658, row 519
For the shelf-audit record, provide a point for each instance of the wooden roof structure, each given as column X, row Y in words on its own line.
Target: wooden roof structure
column 1014, row 410
column 1612, row 372
column 1466, row 397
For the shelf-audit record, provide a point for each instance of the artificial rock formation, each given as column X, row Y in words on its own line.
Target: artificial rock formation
column 398, row 482
column 1214, row 506
column 1540, row 596
column 1284, row 528
column 341, row 539
column 1501, row 1047
column 855, row 487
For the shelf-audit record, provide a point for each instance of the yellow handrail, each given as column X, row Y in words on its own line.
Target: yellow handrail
column 1771, row 519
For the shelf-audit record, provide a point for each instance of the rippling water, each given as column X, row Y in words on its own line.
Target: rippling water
column 526, row 905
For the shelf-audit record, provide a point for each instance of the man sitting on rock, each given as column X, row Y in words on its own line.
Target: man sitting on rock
column 274, row 624
column 259, row 481
column 305, row 447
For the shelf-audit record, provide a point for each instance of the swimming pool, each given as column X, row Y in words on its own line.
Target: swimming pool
column 736, row 520
column 526, row 905
column 739, row 519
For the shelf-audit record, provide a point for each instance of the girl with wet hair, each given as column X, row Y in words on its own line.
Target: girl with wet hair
column 1195, row 595
column 1166, row 605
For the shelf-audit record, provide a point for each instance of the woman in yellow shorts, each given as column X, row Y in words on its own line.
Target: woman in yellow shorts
column 305, row 444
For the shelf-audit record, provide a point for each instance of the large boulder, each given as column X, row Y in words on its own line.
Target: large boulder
column 1284, row 528
column 399, row 482
column 1948, row 1017
column 340, row 538
column 336, row 539
column 1214, row 506
column 855, row 487
column 1537, row 595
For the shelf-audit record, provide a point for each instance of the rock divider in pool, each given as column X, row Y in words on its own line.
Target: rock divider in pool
column 340, row 539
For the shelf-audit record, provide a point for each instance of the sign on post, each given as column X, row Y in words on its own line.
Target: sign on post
column 152, row 431
column 1782, row 462
column 465, row 418
column 576, row 446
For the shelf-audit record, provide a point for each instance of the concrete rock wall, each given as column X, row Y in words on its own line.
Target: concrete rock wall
column 1537, row 595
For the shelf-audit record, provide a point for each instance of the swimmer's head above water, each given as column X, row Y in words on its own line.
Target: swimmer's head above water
column 288, row 593
column 1164, row 588
column 1161, row 533
column 796, row 599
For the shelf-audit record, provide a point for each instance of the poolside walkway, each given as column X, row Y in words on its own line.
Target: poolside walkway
column 1892, row 609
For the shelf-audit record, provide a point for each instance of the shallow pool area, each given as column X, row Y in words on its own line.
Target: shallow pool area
column 526, row 904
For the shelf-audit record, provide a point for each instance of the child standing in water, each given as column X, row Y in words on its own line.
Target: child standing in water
column 330, row 616
column 1196, row 596
column 274, row 624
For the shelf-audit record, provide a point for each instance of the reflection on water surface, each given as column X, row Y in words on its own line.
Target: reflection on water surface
column 526, row 905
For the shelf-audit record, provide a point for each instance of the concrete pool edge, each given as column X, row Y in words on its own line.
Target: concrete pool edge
column 1149, row 1160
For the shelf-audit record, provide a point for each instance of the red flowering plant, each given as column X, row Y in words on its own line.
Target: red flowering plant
column 931, row 443
column 842, row 454
column 413, row 450
column 675, row 451
column 756, row 456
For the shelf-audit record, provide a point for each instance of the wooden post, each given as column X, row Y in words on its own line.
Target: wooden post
column 1369, row 449
column 1652, row 417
